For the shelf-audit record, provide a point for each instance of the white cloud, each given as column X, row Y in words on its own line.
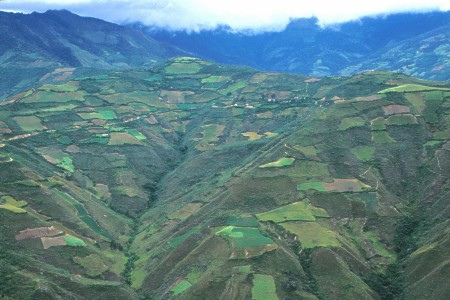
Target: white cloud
column 238, row 14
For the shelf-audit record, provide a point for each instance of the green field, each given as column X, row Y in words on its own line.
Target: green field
column 400, row 120
column 299, row 211
column 364, row 153
column 9, row 203
column 102, row 114
column 244, row 237
column 318, row 186
column 93, row 264
column 29, row 123
column 180, row 288
column 312, row 234
column 282, row 162
column 263, row 288
column 183, row 68
column 382, row 137
column 74, row 241
column 348, row 123
column 408, row 88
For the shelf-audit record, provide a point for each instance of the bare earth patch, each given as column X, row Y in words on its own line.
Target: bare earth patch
column 39, row 232
column 48, row 242
column 395, row 109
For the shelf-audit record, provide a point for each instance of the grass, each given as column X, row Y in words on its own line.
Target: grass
column 364, row 153
column 74, row 242
column 9, row 203
column 408, row 88
column 123, row 138
column 299, row 211
column 379, row 247
column 137, row 134
column 102, row 114
column 181, row 287
column 186, row 211
column 252, row 136
column 234, row 87
column 378, row 124
column 381, row 137
column 183, row 68
column 29, row 123
column 282, row 162
column 175, row 242
column 348, row 123
column 244, row 237
column 318, row 186
column 263, row 288
column 93, row 264
column 71, row 86
column 308, row 151
column 249, row 221
column 67, row 164
column 401, row 120
column 312, row 234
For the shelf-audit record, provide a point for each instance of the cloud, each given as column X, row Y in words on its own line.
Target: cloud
column 256, row 15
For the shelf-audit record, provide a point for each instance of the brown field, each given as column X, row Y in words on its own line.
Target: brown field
column 48, row 242
column 368, row 98
column 122, row 138
column 395, row 109
column 345, row 185
column 39, row 232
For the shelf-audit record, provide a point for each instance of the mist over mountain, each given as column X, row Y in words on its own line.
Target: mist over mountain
column 306, row 48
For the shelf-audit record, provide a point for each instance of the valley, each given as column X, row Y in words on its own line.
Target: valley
column 194, row 180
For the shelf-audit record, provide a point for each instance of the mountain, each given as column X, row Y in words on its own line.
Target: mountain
column 387, row 43
column 193, row 180
column 54, row 44
column 426, row 55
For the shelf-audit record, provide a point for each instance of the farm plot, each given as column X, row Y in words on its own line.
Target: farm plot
column 381, row 137
column 396, row 109
column 211, row 134
column 252, row 136
column 400, row 120
column 282, row 162
column 183, row 68
column 32, row 233
column 264, row 288
column 93, row 264
column 180, row 287
column 338, row 185
column 29, row 123
column 405, row 88
column 246, row 242
column 48, row 96
column 104, row 114
column 364, row 153
column 186, row 211
column 175, row 97
column 65, row 240
column 123, row 138
column 58, row 158
column 348, row 123
column 298, row 211
column 9, row 203
column 312, row 234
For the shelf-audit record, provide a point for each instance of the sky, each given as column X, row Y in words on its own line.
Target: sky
column 240, row 15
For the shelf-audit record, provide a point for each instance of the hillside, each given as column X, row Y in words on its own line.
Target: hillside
column 55, row 44
column 199, row 181
column 412, row 43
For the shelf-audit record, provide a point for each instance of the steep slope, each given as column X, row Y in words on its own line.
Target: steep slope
column 426, row 56
column 198, row 181
column 43, row 45
column 306, row 48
